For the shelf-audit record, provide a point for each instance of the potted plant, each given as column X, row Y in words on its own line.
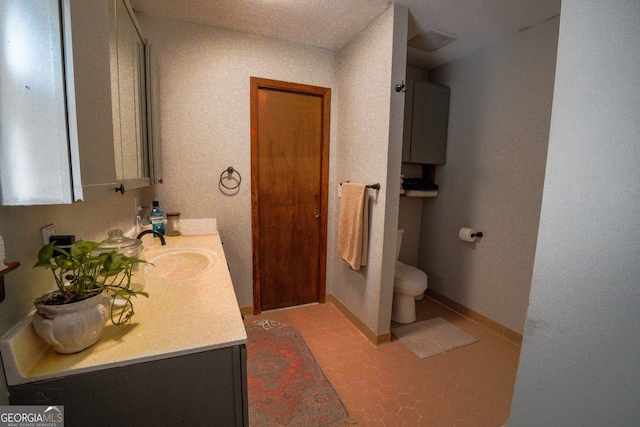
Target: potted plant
column 89, row 283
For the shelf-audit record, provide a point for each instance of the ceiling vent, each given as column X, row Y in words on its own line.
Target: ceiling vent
column 431, row 40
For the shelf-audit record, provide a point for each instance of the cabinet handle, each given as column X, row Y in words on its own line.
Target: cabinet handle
column 120, row 189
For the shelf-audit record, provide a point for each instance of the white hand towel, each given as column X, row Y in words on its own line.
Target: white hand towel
column 421, row 193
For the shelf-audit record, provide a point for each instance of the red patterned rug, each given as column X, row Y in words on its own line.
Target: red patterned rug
column 286, row 386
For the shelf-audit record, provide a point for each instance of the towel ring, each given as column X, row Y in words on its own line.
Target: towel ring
column 230, row 171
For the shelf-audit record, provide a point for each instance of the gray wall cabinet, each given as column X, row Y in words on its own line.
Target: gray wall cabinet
column 426, row 120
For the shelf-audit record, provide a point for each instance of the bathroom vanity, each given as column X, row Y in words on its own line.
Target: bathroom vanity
column 182, row 360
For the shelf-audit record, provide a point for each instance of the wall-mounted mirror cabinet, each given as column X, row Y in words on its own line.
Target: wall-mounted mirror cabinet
column 73, row 110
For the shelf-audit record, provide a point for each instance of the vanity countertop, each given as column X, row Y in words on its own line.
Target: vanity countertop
column 179, row 317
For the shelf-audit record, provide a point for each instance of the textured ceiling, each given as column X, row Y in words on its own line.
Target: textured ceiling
column 333, row 23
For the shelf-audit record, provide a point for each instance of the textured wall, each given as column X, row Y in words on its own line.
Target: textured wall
column 579, row 363
column 498, row 134
column 394, row 160
column 365, row 152
column 203, row 77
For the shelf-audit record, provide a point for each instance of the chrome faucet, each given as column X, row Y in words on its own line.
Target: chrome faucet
column 155, row 233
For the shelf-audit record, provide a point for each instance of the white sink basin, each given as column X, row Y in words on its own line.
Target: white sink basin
column 179, row 263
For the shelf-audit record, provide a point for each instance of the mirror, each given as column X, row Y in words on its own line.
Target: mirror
column 128, row 90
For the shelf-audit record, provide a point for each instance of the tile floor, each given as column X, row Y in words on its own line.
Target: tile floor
column 389, row 386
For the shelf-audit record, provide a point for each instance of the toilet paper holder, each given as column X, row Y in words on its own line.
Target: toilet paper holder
column 470, row 235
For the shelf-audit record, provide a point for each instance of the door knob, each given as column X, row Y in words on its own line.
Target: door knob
column 316, row 213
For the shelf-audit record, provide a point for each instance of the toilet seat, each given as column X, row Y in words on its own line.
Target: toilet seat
column 409, row 278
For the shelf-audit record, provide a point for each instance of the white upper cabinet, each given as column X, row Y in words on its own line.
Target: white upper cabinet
column 56, row 136
column 73, row 119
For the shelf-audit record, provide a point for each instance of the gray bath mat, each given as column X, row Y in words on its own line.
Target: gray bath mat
column 431, row 337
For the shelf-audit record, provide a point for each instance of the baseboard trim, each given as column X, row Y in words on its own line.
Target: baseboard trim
column 495, row 327
column 247, row 311
column 374, row 338
column 379, row 339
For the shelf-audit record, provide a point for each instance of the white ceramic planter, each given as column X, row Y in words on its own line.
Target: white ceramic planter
column 71, row 328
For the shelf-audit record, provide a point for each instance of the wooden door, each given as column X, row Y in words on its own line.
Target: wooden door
column 289, row 178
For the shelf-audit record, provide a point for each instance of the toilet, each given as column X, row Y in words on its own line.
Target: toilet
column 409, row 284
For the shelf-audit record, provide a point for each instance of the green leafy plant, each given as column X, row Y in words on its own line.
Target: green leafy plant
column 79, row 274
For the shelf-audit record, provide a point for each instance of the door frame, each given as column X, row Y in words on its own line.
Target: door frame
column 325, row 93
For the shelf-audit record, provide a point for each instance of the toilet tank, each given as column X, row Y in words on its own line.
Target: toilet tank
column 399, row 243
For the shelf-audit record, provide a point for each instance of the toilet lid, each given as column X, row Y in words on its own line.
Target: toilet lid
column 409, row 274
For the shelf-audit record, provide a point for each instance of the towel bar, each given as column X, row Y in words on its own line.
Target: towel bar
column 375, row 186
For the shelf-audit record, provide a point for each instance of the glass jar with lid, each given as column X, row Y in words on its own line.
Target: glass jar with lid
column 173, row 224
column 118, row 242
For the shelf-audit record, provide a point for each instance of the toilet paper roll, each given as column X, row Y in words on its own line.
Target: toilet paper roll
column 466, row 234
